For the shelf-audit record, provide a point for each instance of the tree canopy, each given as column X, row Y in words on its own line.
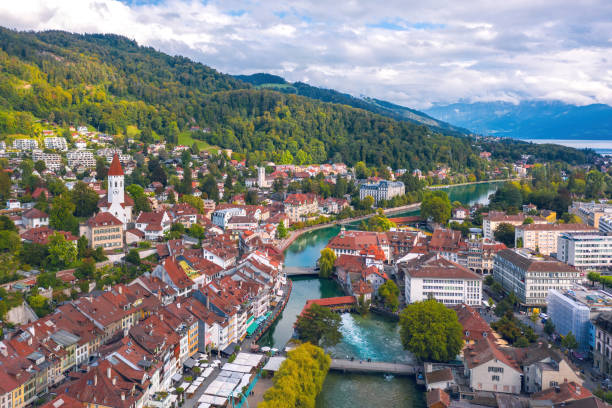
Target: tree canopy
column 431, row 331
column 319, row 325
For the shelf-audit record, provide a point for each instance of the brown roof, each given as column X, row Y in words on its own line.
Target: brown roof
column 103, row 219
column 532, row 262
column 115, row 167
column 436, row 396
column 590, row 402
column 434, row 266
column 63, row 401
column 445, row 374
column 34, row 213
column 567, row 391
column 474, row 326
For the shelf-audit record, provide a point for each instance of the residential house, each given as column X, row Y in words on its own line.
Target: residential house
column 34, row 218
column 103, row 230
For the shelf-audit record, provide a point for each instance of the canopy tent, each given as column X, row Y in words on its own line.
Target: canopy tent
column 248, row 359
column 189, row 363
column 176, row 377
column 274, row 363
column 212, row 400
column 207, row 372
column 251, row 328
column 229, row 350
column 237, row 368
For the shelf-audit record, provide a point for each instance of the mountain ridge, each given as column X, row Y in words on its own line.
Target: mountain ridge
column 530, row 119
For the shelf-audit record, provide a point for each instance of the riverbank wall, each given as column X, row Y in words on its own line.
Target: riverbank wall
column 276, row 314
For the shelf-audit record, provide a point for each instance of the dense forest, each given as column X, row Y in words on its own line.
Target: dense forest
column 110, row 82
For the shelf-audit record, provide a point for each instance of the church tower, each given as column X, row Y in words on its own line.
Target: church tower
column 115, row 182
column 261, row 177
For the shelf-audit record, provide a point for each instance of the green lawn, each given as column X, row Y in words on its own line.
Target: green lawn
column 186, row 139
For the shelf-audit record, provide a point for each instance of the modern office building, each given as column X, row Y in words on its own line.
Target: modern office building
column 585, row 249
column 383, row 190
column 590, row 213
column 83, row 158
column 569, row 314
column 530, row 276
column 492, row 221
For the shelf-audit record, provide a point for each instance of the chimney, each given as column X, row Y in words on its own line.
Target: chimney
column 120, row 290
column 578, row 390
column 178, row 305
column 108, row 372
column 114, row 380
column 95, row 380
column 161, row 317
column 208, row 302
column 123, row 396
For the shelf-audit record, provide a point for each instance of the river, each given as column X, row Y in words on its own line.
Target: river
column 372, row 337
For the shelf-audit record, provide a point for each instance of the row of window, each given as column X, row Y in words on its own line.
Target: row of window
column 107, row 237
column 106, row 230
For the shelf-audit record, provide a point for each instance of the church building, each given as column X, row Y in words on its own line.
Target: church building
column 116, row 201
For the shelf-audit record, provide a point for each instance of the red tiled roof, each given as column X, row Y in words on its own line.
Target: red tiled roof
column 34, row 213
column 102, row 219
column 434, row 266
column 63, row 401
column 436, row 396
column 115, row 167
column 567, row 391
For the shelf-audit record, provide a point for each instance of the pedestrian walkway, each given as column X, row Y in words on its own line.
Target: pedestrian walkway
column 361, row 366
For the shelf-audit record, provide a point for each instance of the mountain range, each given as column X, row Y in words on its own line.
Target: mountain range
column 530, row 119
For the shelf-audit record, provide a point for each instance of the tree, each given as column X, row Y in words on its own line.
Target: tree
column 157, row 172
column 361, row 170
column 319, row 326
column 326, row 262
column 6, row 224
column 86, row 270
column 62, row 253
column 549, row 327
column 569, row 341
column 195, row 202
column 40, row 305
column 209, row 187
column 82, row 247
column 5, row 185
column 61, row 215
column 595, row 184
column 436, row 205
column 281, row 230
column 363, row 306
column 505, row 233
column 40, row 166
column 196, row 231
column 299, row 379
column 251, row 197
column 379, row 222
column 133, row 257
column 48, row 280
column 101, row 168
column 9, row 241
column 431, row 331
column 85, row 200
column 389, row 293
column 528, row 221
column 593, row 277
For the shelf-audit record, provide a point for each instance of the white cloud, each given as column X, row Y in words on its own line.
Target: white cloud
column 476, row 50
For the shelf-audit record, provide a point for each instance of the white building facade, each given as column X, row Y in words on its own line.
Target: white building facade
column 585, row 250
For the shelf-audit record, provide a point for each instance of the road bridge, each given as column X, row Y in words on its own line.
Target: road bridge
column 361, row 366
column 300, row 270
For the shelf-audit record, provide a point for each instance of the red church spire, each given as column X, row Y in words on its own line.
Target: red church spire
column 115, row 167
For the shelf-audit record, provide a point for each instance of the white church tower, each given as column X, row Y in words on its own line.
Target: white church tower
column 116, row 201
column 261, row 177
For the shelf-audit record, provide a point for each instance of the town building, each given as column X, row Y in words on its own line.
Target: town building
column 103, row 230
column 571, row 311
column 56, row 143
column 432, row 276
column 25, row 144
column 53, row 161
column 545, row 367
column 299, row 206
column 34, row 218
column 590, row 213
column 383, row 190
column 448, row 244
column 530, row 276
column 116, row 201
column 492, row 221
column 585, row 249
column 154, row 224
column 81, row 158
column 490, row 369
column 602, row 353
column 542, row 238
column 353, row 242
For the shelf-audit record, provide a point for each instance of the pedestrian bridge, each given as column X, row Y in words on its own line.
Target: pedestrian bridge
column 299, row 270
column 362, row 366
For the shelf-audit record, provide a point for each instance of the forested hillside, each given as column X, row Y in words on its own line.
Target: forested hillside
column 110, row 82
column 384, row 108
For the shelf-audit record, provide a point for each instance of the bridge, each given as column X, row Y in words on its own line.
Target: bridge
column 299, row 270
column 361, row 366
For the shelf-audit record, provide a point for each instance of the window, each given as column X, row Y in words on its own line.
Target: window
column 495, row 378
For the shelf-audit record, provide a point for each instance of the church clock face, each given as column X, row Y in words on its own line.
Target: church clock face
column 115, row 192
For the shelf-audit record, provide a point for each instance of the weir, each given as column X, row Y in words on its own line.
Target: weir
column 361, row 366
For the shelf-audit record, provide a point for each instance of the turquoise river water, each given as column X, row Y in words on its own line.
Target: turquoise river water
column 372, row 337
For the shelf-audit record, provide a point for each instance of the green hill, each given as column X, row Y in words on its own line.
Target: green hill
column 110, row 82
column 384, row 108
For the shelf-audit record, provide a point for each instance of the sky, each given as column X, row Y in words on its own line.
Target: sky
column 414, row 53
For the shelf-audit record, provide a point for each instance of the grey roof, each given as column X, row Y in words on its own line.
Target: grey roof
column 64, row 338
